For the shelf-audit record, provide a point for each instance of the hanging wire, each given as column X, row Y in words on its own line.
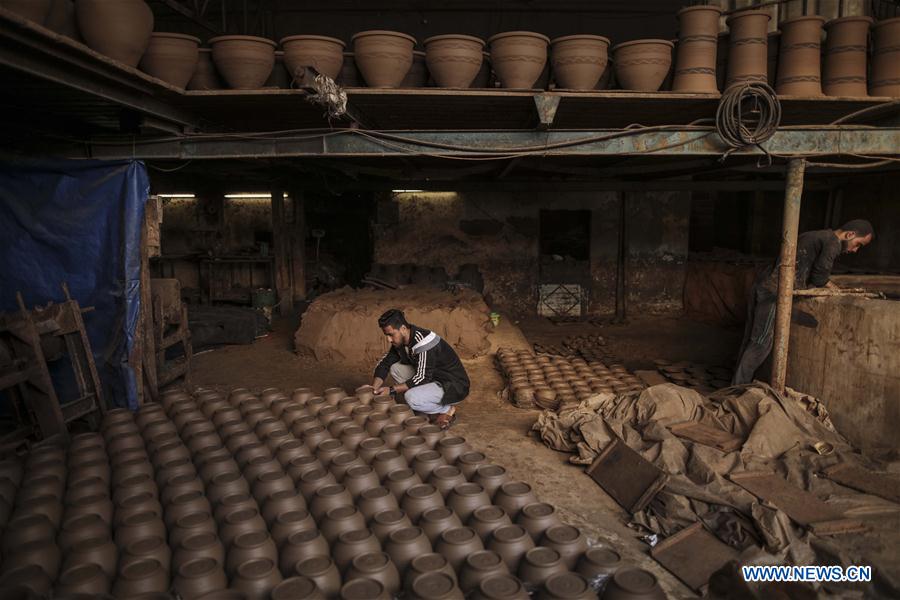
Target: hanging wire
column 748, row 115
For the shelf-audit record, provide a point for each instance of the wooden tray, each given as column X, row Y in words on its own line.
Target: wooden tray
column 628, row 477
column 693, row 555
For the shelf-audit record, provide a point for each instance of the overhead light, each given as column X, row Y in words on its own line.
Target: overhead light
column 176, row 196
column 253, row 195
column 407, row 191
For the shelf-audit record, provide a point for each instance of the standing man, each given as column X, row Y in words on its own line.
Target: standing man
column 425, row 368
column 816, row 251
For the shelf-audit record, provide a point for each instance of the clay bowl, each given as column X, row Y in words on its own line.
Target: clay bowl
column 171, row 57
column 245, row 62
column 383, row 57
column 454, row 60
column 578, row 60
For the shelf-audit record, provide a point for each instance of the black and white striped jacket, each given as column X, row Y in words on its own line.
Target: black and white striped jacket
column 433, row 360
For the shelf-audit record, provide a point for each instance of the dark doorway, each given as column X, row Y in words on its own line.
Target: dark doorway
column 566, row 233
column 339, row 239
column 565, row 266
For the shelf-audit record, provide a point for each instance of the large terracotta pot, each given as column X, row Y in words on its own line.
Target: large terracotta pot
column 518, row 57
column 844, row 69
column 324, row 54
column 244, row 61
column 799, row 57
column 454, row 59
column 886, row 59
column 416, row 77
column 383, row 57
column 484, row 78
column 642, row 65
column 747, row 47
column 579, row 60
column 171, row 57
column 695, row 62
column 33, row 10
column 120, row 30
column 62, row 19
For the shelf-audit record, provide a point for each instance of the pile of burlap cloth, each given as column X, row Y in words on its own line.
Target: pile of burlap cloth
column 779, row 432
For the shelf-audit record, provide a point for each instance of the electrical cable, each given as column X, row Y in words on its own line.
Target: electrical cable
column 748, row 115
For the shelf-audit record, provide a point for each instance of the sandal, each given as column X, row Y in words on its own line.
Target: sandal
column 445, row 420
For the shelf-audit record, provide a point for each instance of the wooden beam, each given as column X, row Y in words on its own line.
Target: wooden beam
column 298, row 246
column 282, row 247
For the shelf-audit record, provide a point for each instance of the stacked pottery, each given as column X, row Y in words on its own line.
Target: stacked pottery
column 383, row 57
column 799, row 57
column 844, row 68
column 747, row 47
column 245, row 62
column 519, row 58
column 578, row 60
column 642, row 65
column 349, row 75
column 885, row 78
column 171, row 57
column 454, row 60
column 484, row 77
column 695, row 62
column 417, row 76
column 120, row 30
column 324, row 54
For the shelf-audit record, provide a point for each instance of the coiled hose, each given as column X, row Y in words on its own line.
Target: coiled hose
column 748, row 115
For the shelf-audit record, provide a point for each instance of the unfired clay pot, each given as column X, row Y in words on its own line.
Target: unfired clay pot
column 416, row 77
column 33, row 10
column 171, row 57
column 120, row 30
column 479, row 566
column 388, row 521
column 456, row 543
column 140, row 577
column 578, row 60
column 84, row 578
column 351, row 544
column 300, row 546
column 511, row 542
column 799, row 57
column 454, row 59
column 383, row 57
column 695, row 61
column 500, row 587
column 245, row 62
column 324, row 54
column 323, row 571
column 405, row 544
column 568, row 541
column 488, row 518
column 256, row 579
column 627, row 584
column 844, row 69
column 747, row 47
column 518, row 57
column 642, row 65
column 199, row 576
column 297, row 587
column 886, row 59
column 377, row 566
column 570, row 586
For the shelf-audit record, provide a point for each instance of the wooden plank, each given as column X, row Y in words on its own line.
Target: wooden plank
column 149, row 385
column 707, row 435
column 864, row 480
column 799, row 505
column 282, row 247
column 651, row 377
column 693, row 555
column 626, row 476
column 298, row 246
column 838, row 527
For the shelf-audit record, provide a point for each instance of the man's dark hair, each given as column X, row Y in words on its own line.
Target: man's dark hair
column 860, row 227
column 393, row 317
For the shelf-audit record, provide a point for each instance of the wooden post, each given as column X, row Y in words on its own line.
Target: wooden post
column 298, row 246
column 787, row 268
column 282, row 248
column 621, row 260
column 145, row 372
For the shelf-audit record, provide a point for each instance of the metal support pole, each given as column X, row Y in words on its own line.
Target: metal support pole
column 787, row 267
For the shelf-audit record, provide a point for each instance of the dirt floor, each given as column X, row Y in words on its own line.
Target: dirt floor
column 495, row 427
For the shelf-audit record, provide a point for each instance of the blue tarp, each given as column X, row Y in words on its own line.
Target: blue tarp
column 78, row 222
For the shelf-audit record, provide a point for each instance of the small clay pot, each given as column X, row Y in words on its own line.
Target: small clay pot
column 98, row 550
column 301, row 465
column 518, row 58
column 353, row 543
column 405, row 544
column 426, row 462
column 642, row 65
column 339, row 424
column 465, row 498
column 140, row 577
column 138, row 527
column 344, row 461
column 376, row 422
column 216, row 466
column 341, row 519
column 383, row 57
column 536, row 518
column 400, row 480
column 44, row 553
column 359, row 478
column 411, row 446
column 578, row 60
column 45, row 484
column 323, row 572
column 539, row 564
column 352, row 436
column 511, row 542
column 328, row 414
column 374, row 500
column 250, row 546
column 314, row 436
column 329, row 497
column 297, row 587
column 434, row 586
column 313, row 481
column 388, row 521
column 199, row 545
column 152, row 548
column 382, row 403
column 199, row 576
column 130, row 468
column 245, row 520
column 412, row 425
column 27, row 582
column 479, row 566
column 427, row 563
column 290, row 450
column 568, row 541
column 435, row 521
column 361, row 414
column 469, row 462
column 386, row 461
column 86, row 469
column 486, row 519
column 179, row 485
column 85, row 578
column 259, row 465
column 512, row 496
column 281, row 502
column 392, row 435
column 445, row 478
column 269, row 483
column 457, row 543
column 245, row 62
column 432, row 434
column 598, row 562
column 451, row 448
column 184, row 504
column 369, row 447
column 79, row 528
column 290, row 522
column 364, row 589
column 420, row 498
column 132, row 505
column 300, row 546
column 46, row 505
column 226, row 484
column 376, row 566
column 256, row 579
column 566, row 586
column 192, row 524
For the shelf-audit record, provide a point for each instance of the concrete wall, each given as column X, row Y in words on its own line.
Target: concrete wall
column 500, row 232
column 851, row 361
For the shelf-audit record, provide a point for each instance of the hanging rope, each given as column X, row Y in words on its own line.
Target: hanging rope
column 748, row 115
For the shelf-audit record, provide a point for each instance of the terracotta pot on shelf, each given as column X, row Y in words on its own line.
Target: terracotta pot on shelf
column 642, row 65
column 434, row 586
column 297, row 587
column 376, row 565
column 245, row 62
column 484, row 77
column 578, row 60
column 772, row 50
column 383, row 57
column 323, row 572
column 353, row 543
column 844, row 68
column 453, row 60
column 171, row 57
column 140, row 577
column 747, row 47
column 885, row 79
column 695, row 62
column 120, row 30
column 633, row 583
column 518, row 57
column 349, row 75
column 256, row 579
column 799, row 57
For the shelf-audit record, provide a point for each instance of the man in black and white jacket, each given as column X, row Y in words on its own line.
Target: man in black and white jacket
column 425, row 368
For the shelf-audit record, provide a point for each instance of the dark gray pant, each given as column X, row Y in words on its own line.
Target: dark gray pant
column 758, row 335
